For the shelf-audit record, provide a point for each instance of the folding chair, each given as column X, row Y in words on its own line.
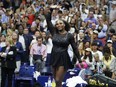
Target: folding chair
column 25, row 76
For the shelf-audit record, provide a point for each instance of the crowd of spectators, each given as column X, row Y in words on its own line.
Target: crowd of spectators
column 92, row 22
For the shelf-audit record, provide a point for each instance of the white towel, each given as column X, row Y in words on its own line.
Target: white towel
column 72, row 82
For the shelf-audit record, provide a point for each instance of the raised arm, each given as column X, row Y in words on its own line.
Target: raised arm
column 49, row 23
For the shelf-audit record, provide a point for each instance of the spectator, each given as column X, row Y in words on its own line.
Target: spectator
column 38, row 53
column 95, row 50
column 32, row 30
column 8, row 55
column 114, row 41
column 88, row 58
column 25, row 23
column 107, row 59
column 9, row 33
column 80, row 43
column 5, row 17
column 102, row 28
column 25, row 41
column 91, row 19
column 4, row 29
column 73, row 26
column 112, row 15
column 36, row 22
column 95, row 39
column 2, row 41
column 93, row 26
column 112, row 50
column 98, row 65
column 44, row 37
column 113, row 68
column 19, row 49
column 87, row 44
column 30, row 15
column 110, row 34
column 37, row 34
column 26, row 31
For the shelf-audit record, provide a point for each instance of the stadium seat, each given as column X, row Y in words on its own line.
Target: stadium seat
column 25, row 76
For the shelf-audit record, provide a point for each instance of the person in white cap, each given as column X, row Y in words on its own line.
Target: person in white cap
column 95, row 50
column 109, row 44
column 88, row 58
column 95, row 39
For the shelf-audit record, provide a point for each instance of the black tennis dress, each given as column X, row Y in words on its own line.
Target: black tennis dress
column 59, row 54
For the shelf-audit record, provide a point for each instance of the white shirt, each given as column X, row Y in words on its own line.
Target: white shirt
column 49, row 45
column 22, row 41
column 34, row 23
column 33, row 41
column 68, row 18
column 45, row 25
column 70, row 52
column 53, row 20
column 88, row 62
column 2, row 44
column 99, row 53
column 72, row 30
column 83, row 16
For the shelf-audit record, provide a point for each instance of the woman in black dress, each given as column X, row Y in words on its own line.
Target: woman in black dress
column 60, row 60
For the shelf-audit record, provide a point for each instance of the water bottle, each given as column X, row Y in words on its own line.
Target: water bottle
column 49, row 82
column 98, row 68
column 53, row 83
column 46, row 84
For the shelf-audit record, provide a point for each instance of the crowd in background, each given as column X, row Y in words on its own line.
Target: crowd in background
column 92, row 22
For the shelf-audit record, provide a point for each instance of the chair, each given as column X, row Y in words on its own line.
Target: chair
column 45, row 74
column 46, row 71
column 42, row 80
column 25, row 76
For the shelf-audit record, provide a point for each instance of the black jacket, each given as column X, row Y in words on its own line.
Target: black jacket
column 10, row 60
